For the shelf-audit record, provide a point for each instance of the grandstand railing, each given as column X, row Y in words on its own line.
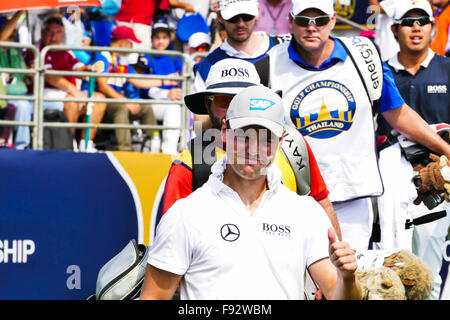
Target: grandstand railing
column 40, row 72
column 351, row 23
column 34, row 97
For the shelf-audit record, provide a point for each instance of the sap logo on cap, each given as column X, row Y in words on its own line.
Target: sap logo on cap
column 260, row 104
column 235, row 72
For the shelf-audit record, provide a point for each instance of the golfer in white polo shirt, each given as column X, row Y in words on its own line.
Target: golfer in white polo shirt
column 243, row 234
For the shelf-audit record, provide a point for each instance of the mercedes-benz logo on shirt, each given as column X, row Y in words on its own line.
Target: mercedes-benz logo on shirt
column 229, row 232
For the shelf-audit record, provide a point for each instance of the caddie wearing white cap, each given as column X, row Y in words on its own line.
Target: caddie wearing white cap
column 236, row 237
column 331, row 89
column 238, row 18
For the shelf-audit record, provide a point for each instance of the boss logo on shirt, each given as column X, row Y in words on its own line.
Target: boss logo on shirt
column 279, row 230
column 437, row 89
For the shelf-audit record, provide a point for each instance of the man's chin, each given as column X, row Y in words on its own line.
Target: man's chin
column 239, row 38
column 250, row 171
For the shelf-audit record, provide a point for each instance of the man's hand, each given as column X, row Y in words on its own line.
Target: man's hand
column 336, row 276
column 342, row 256
column 98, row 66
column 79, row 95
column 172, row 82
column 188, row 7
column 175, row 94
column 134, row 108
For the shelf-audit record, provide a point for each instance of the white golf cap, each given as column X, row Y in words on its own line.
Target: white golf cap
column 199, row 38
column 403, row 7
column 257, row 105
column 230, row 8
column 298, row 6
column 228, row 76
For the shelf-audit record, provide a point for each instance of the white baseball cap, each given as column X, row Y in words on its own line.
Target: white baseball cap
column 228, row 76
column 257, row 105
column 199, row 38
column 230, row 8
column 402, row 7
column 327, row 6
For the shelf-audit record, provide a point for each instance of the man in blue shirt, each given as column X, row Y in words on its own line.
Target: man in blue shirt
column 422, row 78
column 326, row 99
column 421, row 75
column 169, row 114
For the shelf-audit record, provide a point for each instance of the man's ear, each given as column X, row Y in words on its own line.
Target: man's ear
column 257, row 15
column 223, row 131
column 433, row 31
column 281, row 139
column 219, row 17
column 394, row 29
column 333, row 20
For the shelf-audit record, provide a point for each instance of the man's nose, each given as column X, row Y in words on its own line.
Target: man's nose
column 240, row 21
column 252, row 146
column 311, row 26
column 416, row 26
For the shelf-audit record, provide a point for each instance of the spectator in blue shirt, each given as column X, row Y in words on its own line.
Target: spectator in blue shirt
column 169, row 114
column 123, row 37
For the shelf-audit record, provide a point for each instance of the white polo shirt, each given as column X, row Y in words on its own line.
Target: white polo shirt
column 225, row 253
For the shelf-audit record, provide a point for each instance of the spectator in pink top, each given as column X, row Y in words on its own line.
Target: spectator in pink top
column 274, row 16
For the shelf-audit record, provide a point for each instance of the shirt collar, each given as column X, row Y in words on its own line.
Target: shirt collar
column 339, row 54
column 393, row 62
column 225, row 46
column 215, row 180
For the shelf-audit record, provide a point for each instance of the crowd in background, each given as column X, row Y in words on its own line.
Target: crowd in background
column 125, row 24
column 188, row 27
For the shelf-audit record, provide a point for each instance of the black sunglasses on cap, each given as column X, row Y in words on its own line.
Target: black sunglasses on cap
column 409, row 22
column 245, row 17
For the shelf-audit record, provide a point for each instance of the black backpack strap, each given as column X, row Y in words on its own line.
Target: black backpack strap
column 281, row 38
column 201, row 161
column 263, row 68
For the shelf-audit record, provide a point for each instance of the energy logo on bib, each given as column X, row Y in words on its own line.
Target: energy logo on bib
column 323, row 110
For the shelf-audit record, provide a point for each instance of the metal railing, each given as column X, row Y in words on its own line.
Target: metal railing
column 38, row 98
column 351, row 23
column 35, row 72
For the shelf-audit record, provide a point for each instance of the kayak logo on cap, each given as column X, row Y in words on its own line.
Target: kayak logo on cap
column 260, row 104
